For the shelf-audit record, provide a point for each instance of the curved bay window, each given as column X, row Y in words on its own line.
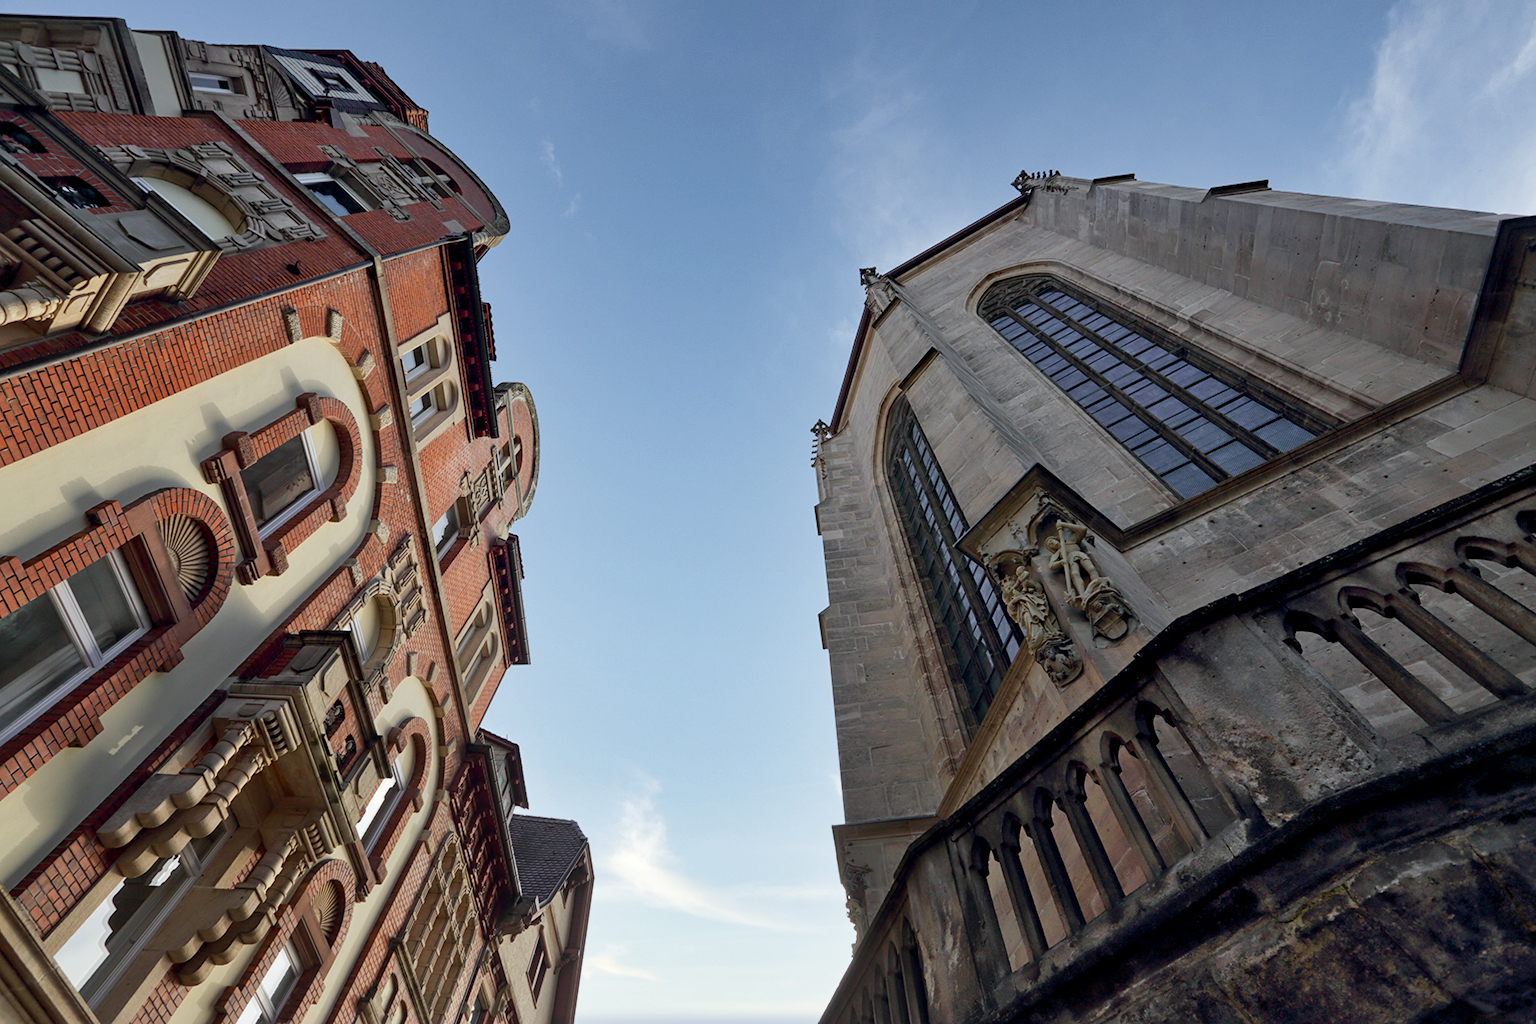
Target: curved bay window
column 981, row 638
column 1187, row 418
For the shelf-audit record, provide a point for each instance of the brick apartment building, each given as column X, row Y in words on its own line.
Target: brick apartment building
column 1179, row 550
column 257, row 584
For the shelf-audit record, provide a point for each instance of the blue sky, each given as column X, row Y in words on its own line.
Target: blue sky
column 692, row 187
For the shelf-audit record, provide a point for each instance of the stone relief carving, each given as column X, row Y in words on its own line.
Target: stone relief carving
column 263, row 216
column 1088, row 589
column 1027, row 605
column 856, row 884
column 879, row 293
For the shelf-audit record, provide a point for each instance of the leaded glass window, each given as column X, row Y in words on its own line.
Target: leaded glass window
column 967, row 610
column 1189, row 420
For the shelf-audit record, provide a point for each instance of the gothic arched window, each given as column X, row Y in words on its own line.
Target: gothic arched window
column 1187, row 418
column 981, row 638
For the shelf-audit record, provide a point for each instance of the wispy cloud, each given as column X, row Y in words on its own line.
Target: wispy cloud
column 551, row 162
column 889, row 175
column 618, row 23
column 648, row 871
column 1446, row 118
column 607, row 962
column 575, row 204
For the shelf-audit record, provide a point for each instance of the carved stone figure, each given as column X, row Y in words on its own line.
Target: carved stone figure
column 878, row 291
column 1088, row 589
column 1028, row 606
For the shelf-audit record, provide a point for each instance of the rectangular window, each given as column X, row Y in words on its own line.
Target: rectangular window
column 421, row 408
column 415, row 362
column 333, row 195
column 53, row 641
column 211, row 83
column 446, row 530
column 537, row 968
column 379, row 807
column 331, row 80
column 273, row 989
column 279, row 482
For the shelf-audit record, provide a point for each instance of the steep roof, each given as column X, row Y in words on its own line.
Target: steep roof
column 546, row 850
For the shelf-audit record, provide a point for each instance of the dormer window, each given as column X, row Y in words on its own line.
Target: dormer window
column 16, row 139
column 333, row 195
column 209, row 218
column 77, row 193
column 202, row 82
column 331, row 80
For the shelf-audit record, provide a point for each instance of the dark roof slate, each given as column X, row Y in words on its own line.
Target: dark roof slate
column 546, row 849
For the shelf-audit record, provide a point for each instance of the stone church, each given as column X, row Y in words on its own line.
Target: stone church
column 1178, row 547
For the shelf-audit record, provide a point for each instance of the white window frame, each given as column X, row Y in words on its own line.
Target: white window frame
column 228, row 89
column 79, row 631
column 317, row 177
column 412, row 372
column 420, row 416
column 302, row 501
column 442, row 545
column 264, row 1006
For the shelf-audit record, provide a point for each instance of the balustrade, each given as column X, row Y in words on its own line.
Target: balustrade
column 1220, row 732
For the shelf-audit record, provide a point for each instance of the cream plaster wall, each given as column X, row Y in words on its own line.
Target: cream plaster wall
column 162, row 446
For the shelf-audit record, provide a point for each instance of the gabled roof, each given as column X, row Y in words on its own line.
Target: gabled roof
column 546, row 850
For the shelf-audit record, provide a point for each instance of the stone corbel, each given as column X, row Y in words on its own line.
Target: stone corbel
column 169, row 811
column 1028, row 605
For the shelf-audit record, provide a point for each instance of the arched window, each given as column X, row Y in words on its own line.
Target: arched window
column 970, row 616
column 215, row 214
column 1187, row 418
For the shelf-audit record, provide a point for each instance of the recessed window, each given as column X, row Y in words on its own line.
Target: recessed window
column 77, row 193
column 380, row 805
column 16, row 139
column 333, row 195
column 478, row 1012
column 966, row 607
column 109, row 939
column 214, row 83
column 54, row 640
column 273, row 990
column 446, row 530
column 422, row 406
column 1190, row 421
column 415, row 362
column 538, row 967
column 280, row 481
column 210, row 220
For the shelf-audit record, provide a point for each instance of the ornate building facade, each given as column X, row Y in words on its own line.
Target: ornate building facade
column 258, row 584
column 1178, row 544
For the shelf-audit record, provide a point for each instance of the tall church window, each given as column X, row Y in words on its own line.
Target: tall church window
column 1188, row 419
column 981, row 638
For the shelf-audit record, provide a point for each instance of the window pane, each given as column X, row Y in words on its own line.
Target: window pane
column 335, row 197
column 1285, row 435
column 86, row 950
column 278, row 479
column 1189, row 480
column 279, row 978
column 36, row 654
column 106, row 608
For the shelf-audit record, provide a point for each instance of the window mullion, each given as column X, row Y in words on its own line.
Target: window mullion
column 1237, row 430
column 74, row 621
column 978, row 603
column 1164, row 431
